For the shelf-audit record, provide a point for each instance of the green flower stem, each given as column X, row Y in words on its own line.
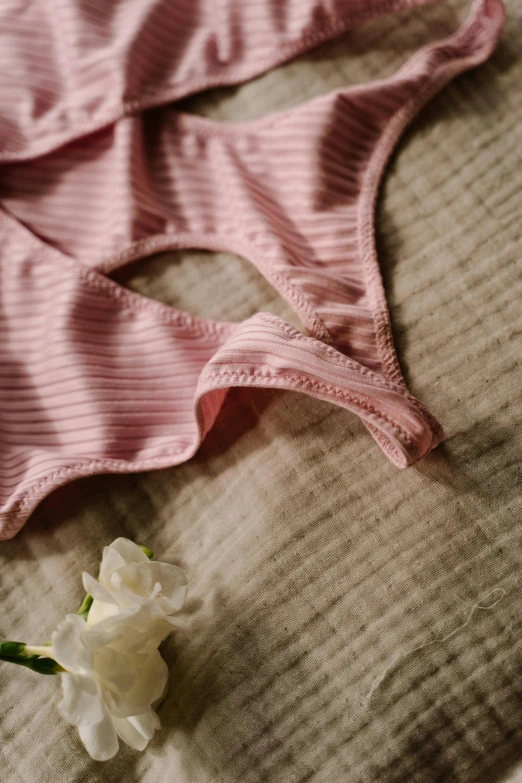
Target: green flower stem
column 35, row 658
column 44, row 649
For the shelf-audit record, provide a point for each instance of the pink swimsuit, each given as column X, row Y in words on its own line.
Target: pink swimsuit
column 95, row 378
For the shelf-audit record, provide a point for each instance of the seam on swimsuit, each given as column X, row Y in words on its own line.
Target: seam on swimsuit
column 372, row 182
column 214, row 242
column 337, row 391
column 133, row 300
column 337, row 356
column 76, row 470
column 381, row 381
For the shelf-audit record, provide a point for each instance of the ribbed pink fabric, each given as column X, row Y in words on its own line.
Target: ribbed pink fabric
column 95, row 378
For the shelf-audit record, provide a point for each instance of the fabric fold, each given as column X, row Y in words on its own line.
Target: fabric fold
column 95, row 378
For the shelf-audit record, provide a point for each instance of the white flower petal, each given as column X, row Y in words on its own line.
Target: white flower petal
column 94, row 588
column 130, row 640
column 128, row 579
column 149, row 686
column 155, row 704
column 158, row 629
column 151, row 681
column 115, row 669
column 108, row 630
column 129, row 551
column 173, row 583
column 68, row 647
column 137, row 730
column 143, row 619
column 101, row 611
column 177, row 622
column 126, row 596
column 111, row 561
column 133, row 581
column 100, row 739
column 170, row 606
column 81, row 704
column 146, row 724
column 129, row 734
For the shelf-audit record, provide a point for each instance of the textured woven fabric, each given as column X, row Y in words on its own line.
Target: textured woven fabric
column 97, row 379
column 313, row 563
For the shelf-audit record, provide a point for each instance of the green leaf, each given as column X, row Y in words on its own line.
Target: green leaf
column 147, row 551
column 47, row 666
column 83, row 611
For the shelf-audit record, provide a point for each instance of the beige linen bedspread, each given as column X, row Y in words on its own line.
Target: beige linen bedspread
column 350, row 622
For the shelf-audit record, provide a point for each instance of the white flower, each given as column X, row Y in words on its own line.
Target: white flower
column 129, row 579
column 107, row 654
column 114, row 677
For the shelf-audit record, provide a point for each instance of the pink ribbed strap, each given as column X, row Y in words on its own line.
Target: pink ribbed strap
column 95, row 378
